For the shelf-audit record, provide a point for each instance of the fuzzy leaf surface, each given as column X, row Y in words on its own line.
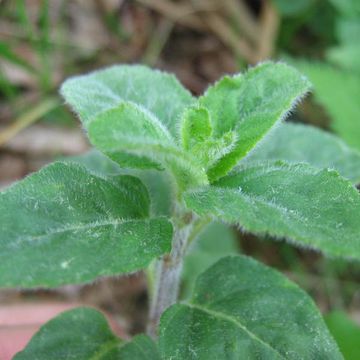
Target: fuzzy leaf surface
column 300, row 143
column 196, row 127
column 241, row 309
column 158, row 183
column 314, row 208
column 249, row 105
column 197, row 139
column 65, row 225
column 158, row 92
column 129, row 130
column 83, row 334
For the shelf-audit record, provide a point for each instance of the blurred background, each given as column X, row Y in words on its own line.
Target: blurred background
column 42, row 42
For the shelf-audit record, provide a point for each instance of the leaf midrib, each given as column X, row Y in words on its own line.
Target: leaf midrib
column 74, row 228
column 290, row 213
column 134, row 144
column 227, row 318
column 105, row 348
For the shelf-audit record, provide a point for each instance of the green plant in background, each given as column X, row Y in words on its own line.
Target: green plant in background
column 347, row 53
column 337, row 80
column 40, row 41
column 189, row 161
column 346, row 333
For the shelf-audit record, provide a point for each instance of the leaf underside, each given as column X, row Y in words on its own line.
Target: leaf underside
column 301, row 143
column 314, row 208
column 240, row 309
column 65, row 225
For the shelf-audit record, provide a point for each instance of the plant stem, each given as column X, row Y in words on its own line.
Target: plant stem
column 168, row 275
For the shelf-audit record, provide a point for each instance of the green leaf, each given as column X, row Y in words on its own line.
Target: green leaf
column 158, row 92
column 158, row 183
column 314, row 208
column 347, row 57
column 196, row 127
column 65, row 225
column 348, row 31
column 339, row 92
column 160, row 187
column 141, row 347
column 346, row 332
column 348, row 8
column 8, row 54
column 214, row 242
column 129, row 130
column 293, row 8
column 196, row 134
column 83, row 334
column 97, row 163
column 300, row 143
column 241, row 309
column 250, row 105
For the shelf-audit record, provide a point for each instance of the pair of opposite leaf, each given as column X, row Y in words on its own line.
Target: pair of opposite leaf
column 239, row 309
column 89, row 224
column 146, row 119
column 201, row 142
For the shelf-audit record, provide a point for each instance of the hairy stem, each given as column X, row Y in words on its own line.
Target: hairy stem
column 168, row 275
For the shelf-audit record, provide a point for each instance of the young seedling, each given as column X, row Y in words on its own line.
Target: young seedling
column 177, row 164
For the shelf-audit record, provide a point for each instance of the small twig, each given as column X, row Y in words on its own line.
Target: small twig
column 269, row 22
column 222, row 29
column 158, row 41
column 179, row 13
column 27, row 119
column 245, row 20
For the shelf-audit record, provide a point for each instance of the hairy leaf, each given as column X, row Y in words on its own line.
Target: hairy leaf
column 83, row 334
column 66, row 225
column 315, row 208
column 339, row 92
column 301, row 143
column 214, row 242
column 196, row 136
column 158, row 92
column 241, row 309
column 128, row 130
column 158, row 183
column 97, row 163
column 250, row 105
column 196, row 127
